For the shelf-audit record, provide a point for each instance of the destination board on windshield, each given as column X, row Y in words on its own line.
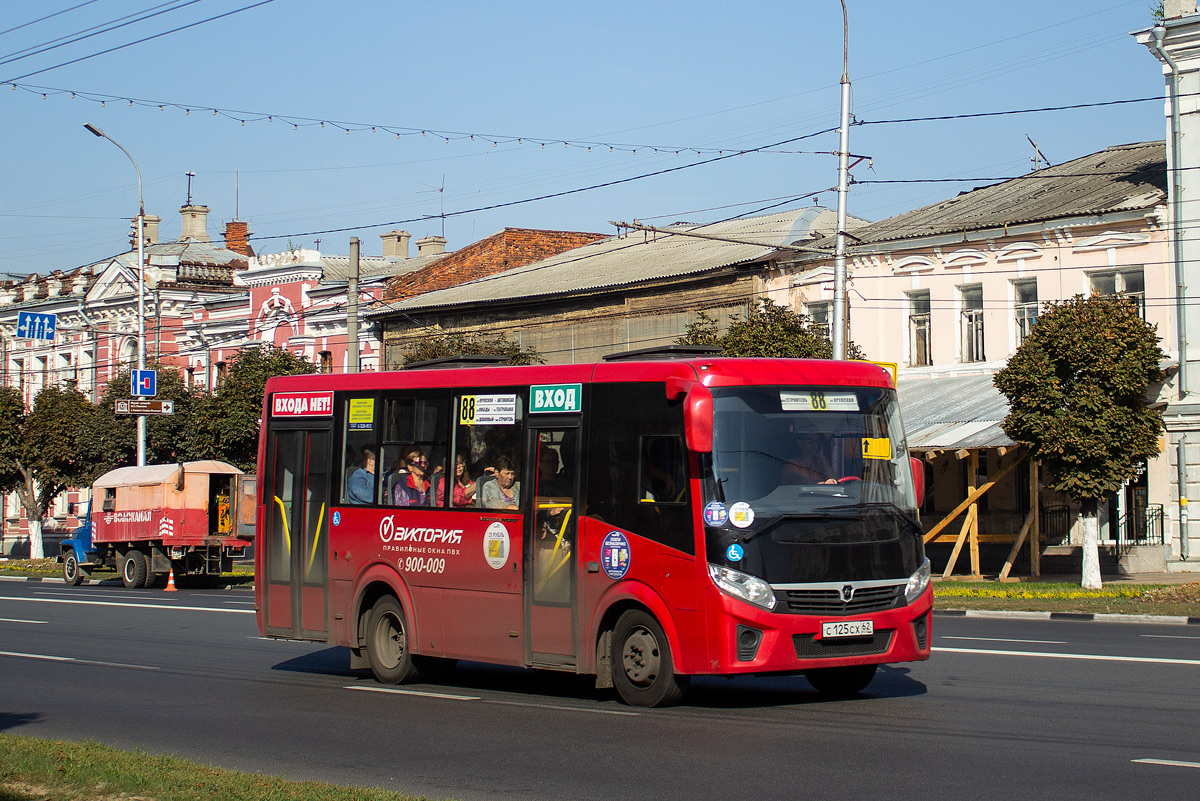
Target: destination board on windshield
column 818, row 401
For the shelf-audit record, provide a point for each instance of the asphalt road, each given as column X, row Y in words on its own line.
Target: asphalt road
column 1005, row 709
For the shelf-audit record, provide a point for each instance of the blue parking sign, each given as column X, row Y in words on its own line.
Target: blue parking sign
column 144, row 384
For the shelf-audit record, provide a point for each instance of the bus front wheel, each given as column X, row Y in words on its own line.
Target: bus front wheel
column 641, row 658
column 387, row 643
column 841, row 680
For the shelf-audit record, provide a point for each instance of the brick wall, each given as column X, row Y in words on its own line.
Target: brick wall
column 512, row 247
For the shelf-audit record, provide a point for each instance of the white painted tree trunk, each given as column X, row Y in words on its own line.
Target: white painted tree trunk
column 1091, row 546
column 35, row 540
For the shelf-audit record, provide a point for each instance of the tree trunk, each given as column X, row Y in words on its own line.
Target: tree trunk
column 1091, row 545
column 35, row 540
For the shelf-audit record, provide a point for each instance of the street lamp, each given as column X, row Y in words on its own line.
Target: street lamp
column 141, row 274
column 839, row 262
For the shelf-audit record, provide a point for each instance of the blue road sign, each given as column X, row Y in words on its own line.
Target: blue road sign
column 31, row 325
column 144, row 384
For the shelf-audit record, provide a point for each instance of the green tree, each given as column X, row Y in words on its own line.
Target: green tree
column 769, row 330
column 440, row 346
column 45, row 450
column 1076, row 390
column 224, row 424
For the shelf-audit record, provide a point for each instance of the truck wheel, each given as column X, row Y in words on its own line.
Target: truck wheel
column 641, row 662
column 387, row 643
column 71, row 573
column 134, row 570
column 841, row 680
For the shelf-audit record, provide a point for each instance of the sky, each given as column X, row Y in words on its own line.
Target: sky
column 319, row 121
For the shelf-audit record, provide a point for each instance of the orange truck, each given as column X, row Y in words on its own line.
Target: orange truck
column 190, row 518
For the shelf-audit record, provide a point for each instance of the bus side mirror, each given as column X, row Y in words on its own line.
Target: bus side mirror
column 918, row 474
column 697, row 412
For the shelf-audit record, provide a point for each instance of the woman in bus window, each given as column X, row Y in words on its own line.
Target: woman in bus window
column 463, row 487
column 505, row 491
column 414, row 487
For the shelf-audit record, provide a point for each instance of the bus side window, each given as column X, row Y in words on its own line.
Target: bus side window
column 360, row 456
column 663, row 470
column 413, row 457
column 484, row 447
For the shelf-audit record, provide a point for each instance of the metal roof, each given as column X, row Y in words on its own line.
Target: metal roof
column 953, row 412
column 152, row 474
column 337, row 268
column 1121, row 178
column 635, row 258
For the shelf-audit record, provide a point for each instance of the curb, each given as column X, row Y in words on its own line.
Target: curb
column 26, row 578
column 1098, row 617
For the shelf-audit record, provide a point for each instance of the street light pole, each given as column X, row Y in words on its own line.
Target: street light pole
column 141, row 280
column 839, row 259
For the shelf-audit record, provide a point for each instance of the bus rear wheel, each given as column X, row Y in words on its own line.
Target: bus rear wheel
column 134, row 570
column 643, row 673
column 841, row 680
column 387, row 643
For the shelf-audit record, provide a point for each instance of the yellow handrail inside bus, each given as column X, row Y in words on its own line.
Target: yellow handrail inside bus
column 316, row 539
column 562, row 561
column 287, row 536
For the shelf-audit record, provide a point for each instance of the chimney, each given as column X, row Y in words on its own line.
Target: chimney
column 1173, row 9
column 431, row 245
column 149, row 230
column 395, row 244
column 195, row 223
column 237, row 237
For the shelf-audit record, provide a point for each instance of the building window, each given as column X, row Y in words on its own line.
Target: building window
column 326, row 361
column 820, row 317
column 1025, row 307
column 19, row 369
column 129, row 352
column 191, row 378
column 919, row 351
column 1130, row 282
column 972, row 322
column 222, row 372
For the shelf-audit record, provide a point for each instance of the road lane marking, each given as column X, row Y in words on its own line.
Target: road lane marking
column 452, row 697
column 49, row 658
column 1170, row 637
column 1169, row 762
column 397, row 691
column 1005, row 639
column 15, row 620
column 125, row 604
column 1052, row 655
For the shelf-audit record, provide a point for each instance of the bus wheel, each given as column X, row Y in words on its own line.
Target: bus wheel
column 641, row 660
column 841, row 680
column 134, row 570
column 387, row 643
column 71, row 572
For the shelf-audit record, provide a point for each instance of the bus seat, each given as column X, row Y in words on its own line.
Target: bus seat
column 479, row 482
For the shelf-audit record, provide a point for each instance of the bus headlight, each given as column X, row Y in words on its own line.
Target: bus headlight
column 750, row 589
column 917, row 582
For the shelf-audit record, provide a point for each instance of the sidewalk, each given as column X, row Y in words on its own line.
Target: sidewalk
column 1073, row 578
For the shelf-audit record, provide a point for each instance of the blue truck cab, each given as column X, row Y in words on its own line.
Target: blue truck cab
column 77, row 554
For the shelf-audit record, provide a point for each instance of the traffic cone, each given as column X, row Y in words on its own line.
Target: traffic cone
column 170, row 581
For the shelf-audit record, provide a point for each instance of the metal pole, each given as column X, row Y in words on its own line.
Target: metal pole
column 1182, row 480
column 839, row 263
column 352, row 309
column 141, row 282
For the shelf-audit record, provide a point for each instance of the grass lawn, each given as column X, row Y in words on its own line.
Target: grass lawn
column 1125, row 599
column 242, row 575
column 55, row 770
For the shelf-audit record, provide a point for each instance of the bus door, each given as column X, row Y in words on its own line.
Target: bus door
column 296, row 488
column 552, row 474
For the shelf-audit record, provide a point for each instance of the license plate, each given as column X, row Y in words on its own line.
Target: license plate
column 847, row 628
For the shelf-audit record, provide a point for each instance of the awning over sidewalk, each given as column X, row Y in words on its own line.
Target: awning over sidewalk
column 952, row 413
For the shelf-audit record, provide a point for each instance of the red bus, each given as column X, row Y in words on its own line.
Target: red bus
column 643, row 520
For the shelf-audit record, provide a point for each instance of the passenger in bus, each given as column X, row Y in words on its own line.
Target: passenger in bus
column 414, row 487
column 809, row 465
column 551, row 482
column 505, row 491
column 361, row 486
column 462, row 486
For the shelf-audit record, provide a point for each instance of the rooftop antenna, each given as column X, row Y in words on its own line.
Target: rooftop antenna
column 1037, row 159
column 190, row 175
column 441, row 190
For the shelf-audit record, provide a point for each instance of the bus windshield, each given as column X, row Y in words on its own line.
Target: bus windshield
column 809, row 451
